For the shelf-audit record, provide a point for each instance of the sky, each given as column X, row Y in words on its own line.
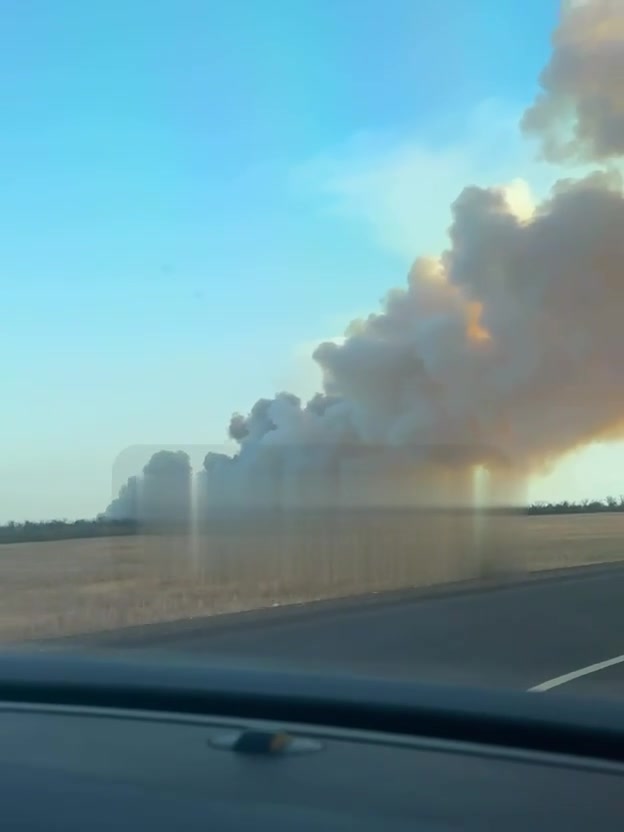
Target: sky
column 194, row 194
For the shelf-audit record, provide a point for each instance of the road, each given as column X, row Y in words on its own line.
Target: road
column 519, row 635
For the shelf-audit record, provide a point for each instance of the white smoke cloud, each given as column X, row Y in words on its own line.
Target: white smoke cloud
column 401, row 189
column 504, row 352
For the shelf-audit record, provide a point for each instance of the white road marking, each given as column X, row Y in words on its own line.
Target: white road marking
column 576, row 674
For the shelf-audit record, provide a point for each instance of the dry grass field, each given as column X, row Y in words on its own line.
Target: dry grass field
column 63, row 587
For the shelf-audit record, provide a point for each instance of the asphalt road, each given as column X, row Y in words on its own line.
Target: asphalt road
column 519, row 635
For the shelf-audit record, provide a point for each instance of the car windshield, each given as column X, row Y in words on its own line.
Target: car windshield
column 312, row 327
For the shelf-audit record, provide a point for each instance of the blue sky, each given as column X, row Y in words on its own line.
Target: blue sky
column 194, row 192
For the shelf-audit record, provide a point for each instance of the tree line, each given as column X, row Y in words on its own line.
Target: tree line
column 30, row 532
column 609, row 504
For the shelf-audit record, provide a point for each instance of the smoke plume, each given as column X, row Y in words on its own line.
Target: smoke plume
column 162, row 496
column 580, row 112
column 504, row 352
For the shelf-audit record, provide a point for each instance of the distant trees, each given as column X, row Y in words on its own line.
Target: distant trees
column 106, row 526
column 609, row 504
column 30, row 532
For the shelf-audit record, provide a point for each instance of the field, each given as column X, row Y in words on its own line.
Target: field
column 73, row 586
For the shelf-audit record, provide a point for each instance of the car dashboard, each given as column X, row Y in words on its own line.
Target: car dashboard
column 107, row 744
